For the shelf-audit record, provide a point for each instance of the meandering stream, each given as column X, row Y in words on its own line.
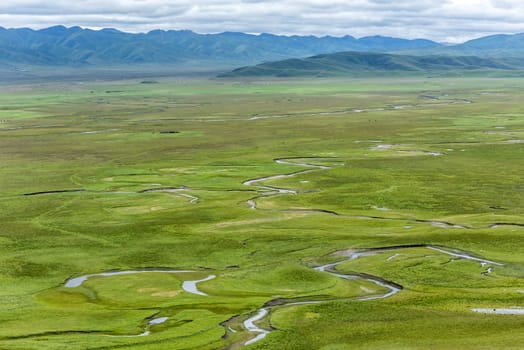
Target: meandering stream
column 264, row 191
column 188, row 286
column 392, row 288
column 146, row 332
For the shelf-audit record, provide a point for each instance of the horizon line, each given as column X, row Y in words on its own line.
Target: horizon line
column 99, row 29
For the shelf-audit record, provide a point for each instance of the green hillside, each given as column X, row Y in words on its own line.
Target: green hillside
column 351, row 63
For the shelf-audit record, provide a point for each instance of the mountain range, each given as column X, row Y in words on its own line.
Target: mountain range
column 75, row 46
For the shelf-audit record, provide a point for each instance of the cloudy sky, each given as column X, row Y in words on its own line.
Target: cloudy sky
column 441, row 20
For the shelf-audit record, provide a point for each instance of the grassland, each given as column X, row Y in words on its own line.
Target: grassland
column 152, row 176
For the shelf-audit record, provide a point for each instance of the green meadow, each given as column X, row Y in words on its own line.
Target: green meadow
column 100, row 177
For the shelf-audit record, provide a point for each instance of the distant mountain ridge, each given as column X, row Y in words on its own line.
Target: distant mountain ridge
column 75, row 46
column 500, row 43
column 72, row 47
column 355, row 63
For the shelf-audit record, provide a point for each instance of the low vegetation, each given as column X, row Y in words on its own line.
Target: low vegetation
column 128, row 176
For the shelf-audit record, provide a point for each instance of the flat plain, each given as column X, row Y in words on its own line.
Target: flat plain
column 346, row 213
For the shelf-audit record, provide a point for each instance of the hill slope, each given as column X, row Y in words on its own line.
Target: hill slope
column 349, row 63
column 494, row 45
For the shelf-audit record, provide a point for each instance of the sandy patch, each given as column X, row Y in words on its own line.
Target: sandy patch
column 347, row 252
column 157, row 292
column 379, row 208
column 312, row 315
column 166, row 294
column 367, row 290
column 382, row 147
column 260, row 221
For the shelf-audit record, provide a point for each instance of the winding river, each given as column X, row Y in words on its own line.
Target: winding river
column 392, row 289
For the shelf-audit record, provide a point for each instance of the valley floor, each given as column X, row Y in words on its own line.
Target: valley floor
column 274, row 214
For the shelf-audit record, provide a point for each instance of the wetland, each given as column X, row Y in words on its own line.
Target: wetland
column 282, row 214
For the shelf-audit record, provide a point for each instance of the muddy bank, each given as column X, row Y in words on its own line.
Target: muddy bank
column 436, row 223
column 54, row 192
column 442, row 224
column 499, row 224
column 320, row 211
column 383, row 147
column 98, row 131
column 50, row 333
column 164, row 190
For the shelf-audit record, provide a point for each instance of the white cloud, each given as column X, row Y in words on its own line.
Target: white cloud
column 443, row 20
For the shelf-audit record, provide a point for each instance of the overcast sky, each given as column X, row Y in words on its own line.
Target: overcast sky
column 440, row 20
